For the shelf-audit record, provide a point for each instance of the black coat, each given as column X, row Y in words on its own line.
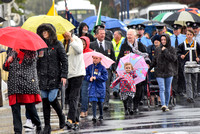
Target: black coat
column 165, row 61
column 53, row 65
column 182, row 51
column 109, row 51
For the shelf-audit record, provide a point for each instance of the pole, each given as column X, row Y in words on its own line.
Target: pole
column 127, row 7
column 121, row 7
column 1, row 96
column 7, row 14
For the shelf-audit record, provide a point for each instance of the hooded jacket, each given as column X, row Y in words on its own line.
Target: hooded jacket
column 87, row 34
column 52, row 66
column 87, row 48
column 165, row 61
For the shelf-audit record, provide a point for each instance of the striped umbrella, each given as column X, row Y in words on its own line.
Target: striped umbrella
column 182, row 17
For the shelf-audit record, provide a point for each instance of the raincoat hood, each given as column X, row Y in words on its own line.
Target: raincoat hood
column 81, row 28
column 168, row 42
column 87, row 48
column 51, row 30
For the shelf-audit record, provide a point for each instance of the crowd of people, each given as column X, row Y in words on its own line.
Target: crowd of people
column 36, row 77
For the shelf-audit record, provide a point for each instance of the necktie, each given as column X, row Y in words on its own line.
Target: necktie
column 101, row 47
column 176, row 42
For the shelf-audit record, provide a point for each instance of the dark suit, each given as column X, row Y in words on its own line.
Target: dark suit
column 109, row 52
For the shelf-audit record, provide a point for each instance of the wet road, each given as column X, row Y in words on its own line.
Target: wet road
column 181, row 119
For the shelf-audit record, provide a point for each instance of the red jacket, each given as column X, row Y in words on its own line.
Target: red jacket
column 87, row 48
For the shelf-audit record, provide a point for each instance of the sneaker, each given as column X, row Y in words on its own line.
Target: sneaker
column 76, row 126
column 167, row 109
column 94, row 119
column 29, row 124
column 100, row 118
column 30, row 129
column 69, row 125
column 163, row 108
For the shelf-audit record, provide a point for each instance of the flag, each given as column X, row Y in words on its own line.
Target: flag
column 52, row 10
column 98, row 21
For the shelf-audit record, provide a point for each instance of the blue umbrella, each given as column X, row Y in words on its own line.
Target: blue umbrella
column 109, row 22
column 137, row 21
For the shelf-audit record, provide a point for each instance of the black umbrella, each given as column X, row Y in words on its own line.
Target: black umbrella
column 2, row 19
column 181, row 18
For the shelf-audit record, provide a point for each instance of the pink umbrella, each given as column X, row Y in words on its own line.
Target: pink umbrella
column 138, row 63
column 105, row 61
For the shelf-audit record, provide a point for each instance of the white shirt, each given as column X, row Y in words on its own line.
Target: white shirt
column 103, row 43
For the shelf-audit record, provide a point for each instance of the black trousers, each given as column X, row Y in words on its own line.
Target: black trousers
column 16, row 112
column 139, row 94
column 72, row 95
column 108, row 82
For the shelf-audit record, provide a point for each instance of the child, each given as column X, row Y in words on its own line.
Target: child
column 96, row 75
column 127, row 86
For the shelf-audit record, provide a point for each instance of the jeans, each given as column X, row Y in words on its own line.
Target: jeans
column 84, row 96
column 164, row 86
column 94, row 105
column 50, row 94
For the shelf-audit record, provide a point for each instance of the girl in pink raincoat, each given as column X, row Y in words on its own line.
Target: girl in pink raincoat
column 127, row 87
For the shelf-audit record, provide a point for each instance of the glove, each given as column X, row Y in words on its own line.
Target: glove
column 20, row 56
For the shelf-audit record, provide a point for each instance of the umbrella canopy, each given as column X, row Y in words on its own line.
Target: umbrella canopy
column 192, row 10
column 62, row 25
column 105, row 61
column 138, row 63
column 18, row 38
column 182, row 17
column 109, row 22
column 161, row 17
column 137, row 21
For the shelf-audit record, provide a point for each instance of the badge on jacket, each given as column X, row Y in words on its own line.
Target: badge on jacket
column 96, row 71
column 109, row 52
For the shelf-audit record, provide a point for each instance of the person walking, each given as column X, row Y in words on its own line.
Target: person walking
column 165, row 66
column 84, row 88
column 190, row 78
column 52, row 72
column 96, row 75
column 131, row 45
column 74, row 49
column 106, row 48
column 83, row 31
column 127, row 86
column 23, row 87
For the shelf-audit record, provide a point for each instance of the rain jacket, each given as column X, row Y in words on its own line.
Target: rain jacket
column 127, row 83
column 87, row 48
column 165, row 62
column 87, row 34
column 97, row 88
column 53, row 65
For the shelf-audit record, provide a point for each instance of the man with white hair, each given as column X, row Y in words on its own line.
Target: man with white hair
column 131, row 45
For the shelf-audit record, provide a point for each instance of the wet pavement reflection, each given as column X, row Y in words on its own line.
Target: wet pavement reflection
column 184, row 117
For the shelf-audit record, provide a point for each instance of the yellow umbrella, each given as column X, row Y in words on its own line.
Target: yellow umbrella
column 62, row 25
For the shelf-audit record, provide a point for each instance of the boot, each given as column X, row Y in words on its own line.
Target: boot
column 125, row 107
column 46, row 113
column 56, row 105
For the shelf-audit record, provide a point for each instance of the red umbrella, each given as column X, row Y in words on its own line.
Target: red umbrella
column 18, row 38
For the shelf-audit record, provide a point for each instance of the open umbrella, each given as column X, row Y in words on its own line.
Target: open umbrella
column 138, row 63
column 109, row 22
column 137, row 21
column 161, row 17
column 18, row 38
column 62, row 25
column 182, row 17
column 192, row 10
column 105, row 61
